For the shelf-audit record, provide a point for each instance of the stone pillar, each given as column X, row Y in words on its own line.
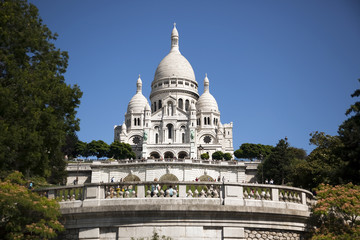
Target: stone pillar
column 233, row 233
column 275, row 194
column 303, row 198
column 89, row 233
column 51, row 194
column 140, row 191
column 182, row 191
column 234, row 195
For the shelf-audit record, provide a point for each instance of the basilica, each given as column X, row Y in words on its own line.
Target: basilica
column 178, row 123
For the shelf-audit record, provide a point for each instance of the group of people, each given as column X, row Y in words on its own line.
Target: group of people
column 156, row 188
column 267, row 181
column 113, row 179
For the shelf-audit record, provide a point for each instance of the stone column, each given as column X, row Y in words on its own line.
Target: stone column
column 89, row 233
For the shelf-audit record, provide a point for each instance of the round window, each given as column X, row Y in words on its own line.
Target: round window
column 207, row 139
column 136, row 140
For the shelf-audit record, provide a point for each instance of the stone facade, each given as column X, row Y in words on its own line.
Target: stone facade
column 179, row 123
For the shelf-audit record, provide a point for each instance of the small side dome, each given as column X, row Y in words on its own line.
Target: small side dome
column 138, row 102
column 206, row 102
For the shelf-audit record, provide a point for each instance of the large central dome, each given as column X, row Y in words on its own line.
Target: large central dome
column 174, row 73
column 174, row 65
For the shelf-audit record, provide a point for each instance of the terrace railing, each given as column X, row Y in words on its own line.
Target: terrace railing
column 227, row 193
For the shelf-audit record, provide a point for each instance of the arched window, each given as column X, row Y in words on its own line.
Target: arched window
column 138, row 121
column 208, row 120
column 160, row 104
column 170, row 128
column 204, row 120
column 156, row 138
column 187, row 103
column 181, row 104
column 183, row 137
column 154, row 106
column 134, row 121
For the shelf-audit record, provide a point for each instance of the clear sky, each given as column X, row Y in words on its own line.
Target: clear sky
column 276, row 68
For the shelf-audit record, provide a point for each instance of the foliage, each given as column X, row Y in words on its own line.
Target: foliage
column 37, row 107
column 81, row 149
column 205, row 156
column 337, row 211
column 251, row 151
column 323, row 165
column 218, row 155
column 227, row 156
column 349, row 133
column 98, row 148
column 69, row 148
column 277, row 165
column 120, row 150
column 26, row 215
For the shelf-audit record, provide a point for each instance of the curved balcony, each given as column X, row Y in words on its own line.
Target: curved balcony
column 135, row 209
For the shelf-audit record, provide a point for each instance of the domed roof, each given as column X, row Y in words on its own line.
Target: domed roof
column 206, row 102
column 174, row 64
column 138, row 102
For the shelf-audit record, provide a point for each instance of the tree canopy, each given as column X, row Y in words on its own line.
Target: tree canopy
column 98, row 148
column 336, row 212
column 323, row 165
column 120, row 150
column 218, row 155
column 37, row 107
column 253, row 151
column 25, row 214
column 349, row 133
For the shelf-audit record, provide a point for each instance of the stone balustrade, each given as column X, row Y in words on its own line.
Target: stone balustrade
column 75, row 166
column 227, row 193
column 194, row 210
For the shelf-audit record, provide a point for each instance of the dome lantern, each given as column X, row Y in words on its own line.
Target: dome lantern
column 139, row 85
column 174, row 39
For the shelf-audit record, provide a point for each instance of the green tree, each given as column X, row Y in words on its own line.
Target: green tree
column 218, row 155
column 227, row 156
column 349, row 133
column 25, row 214
column 204, row 156
column 37, row 107
column 98, row 148
column 336, row 213
column 277, row 165
column 120, row 150
column 69, row 148
column 323, row 165
column 251, row 151
column 81, row 149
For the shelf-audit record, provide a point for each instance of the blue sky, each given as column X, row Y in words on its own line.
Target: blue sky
column 276, row 68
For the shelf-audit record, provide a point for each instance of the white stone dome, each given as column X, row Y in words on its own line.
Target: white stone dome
column 138, row 102
column 207, row 102
column 174, row 65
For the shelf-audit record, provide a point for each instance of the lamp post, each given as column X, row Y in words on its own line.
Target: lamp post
column 200, row 150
